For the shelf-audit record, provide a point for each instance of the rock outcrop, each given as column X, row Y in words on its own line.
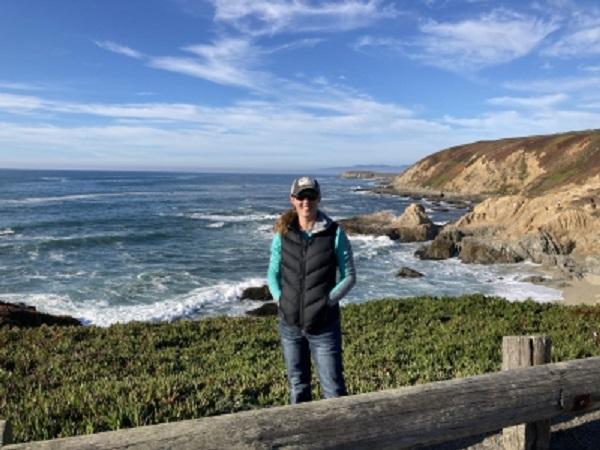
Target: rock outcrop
column 20, row 315
column 444, row 246
column 268, row 309
column 407, row 272
column 412, row 225
column 256, row 293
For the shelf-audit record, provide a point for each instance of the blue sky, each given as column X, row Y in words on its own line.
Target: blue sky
column 286, row 85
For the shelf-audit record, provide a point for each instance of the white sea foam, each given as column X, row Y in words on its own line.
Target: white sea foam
column 78, row 274
column 368, row 247
column 7, row 232
column 231, row 218
column 57, row 256
column 220, row 298
column 518, row 290
column 64, row 198
column 265, row 228
column 216, row 225
column 73, row 197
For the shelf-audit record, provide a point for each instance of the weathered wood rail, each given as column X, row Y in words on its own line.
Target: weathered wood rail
column 398, row 418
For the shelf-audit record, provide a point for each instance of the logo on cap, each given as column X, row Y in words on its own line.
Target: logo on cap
column 305, row 181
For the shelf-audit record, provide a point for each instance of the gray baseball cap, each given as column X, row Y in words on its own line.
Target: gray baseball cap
column 305, row 184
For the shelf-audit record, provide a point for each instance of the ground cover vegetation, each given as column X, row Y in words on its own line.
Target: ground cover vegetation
column 57, row 382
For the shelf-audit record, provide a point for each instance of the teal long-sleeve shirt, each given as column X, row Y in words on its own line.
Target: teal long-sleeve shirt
column 345, row 260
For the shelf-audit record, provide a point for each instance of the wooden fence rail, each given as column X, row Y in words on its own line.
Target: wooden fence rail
column 398, row 418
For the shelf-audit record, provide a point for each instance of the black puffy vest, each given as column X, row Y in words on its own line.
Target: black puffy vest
column 308, row 274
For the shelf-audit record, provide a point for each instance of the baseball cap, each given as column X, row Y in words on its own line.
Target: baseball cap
column 305, row 184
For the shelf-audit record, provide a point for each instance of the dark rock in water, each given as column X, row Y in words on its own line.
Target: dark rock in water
column 256, row 293
column 476, row 251
column 444, row 246
column 535, row 279
column 21, row 315
column 268, row 309
column 407, row 272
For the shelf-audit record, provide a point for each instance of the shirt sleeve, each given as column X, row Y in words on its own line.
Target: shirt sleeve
column 345, row 259
column 274, row 271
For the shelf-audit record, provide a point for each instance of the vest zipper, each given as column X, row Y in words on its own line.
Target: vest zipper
column 303, row 283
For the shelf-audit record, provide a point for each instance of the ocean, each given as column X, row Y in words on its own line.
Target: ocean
column 108, row 247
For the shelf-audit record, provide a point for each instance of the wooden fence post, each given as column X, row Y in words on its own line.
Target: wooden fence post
column 525, row 351
column 5, row 433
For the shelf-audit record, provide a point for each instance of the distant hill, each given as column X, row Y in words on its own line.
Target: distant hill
column 378, row 168
column 529, row 165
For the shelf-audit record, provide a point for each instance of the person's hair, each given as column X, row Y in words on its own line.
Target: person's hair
column 285, row 220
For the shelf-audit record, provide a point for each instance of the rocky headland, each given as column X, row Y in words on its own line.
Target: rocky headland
column 536, row 199
column 368, row 175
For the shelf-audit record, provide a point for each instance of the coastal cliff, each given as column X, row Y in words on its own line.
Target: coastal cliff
column 529, row 165
column 539, row 194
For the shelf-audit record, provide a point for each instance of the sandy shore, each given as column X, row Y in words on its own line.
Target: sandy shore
column 575, row 291
column 582, row 291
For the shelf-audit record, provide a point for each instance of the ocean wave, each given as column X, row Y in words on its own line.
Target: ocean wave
column 66, row 242
column 72, row 197
column 62, row 198
column 216, row 225
column 368, row 247
column 7, row 232
column 230, row 218
column 382, row 241
column 519, row 291
column 220, row 298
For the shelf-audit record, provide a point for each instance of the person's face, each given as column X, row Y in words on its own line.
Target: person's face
column 306, row 204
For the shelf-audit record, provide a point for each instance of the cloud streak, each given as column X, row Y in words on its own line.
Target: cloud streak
column 578, row 44
column 546, row 101
column 260, row 17
column 469, row 45
column 120, row 49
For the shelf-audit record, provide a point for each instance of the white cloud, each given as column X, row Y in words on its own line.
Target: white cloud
column 545, row 101
column 258, row 17
column 580, row 43
column 592, row 69
column 300, row 129
column 19, row 103
column 302, row 43
column 552, row 85
column 285, row 132
column 227, row 61
column 120, row 49
column 473, row 44
column 19, row 86
column 368, row 41
column 513, row 123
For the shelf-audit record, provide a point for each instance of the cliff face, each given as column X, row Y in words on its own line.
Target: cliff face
column 530, row 166
column 570, row 215
column 542, row 194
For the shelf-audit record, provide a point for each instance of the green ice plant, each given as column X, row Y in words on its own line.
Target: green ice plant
column 57, row 382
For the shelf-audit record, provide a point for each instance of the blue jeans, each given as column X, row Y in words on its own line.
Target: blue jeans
column 326, row 350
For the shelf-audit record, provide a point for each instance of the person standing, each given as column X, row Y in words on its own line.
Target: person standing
column 311, row 269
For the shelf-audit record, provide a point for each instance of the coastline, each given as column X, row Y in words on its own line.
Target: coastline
column 583, row 291
column 574, row 290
